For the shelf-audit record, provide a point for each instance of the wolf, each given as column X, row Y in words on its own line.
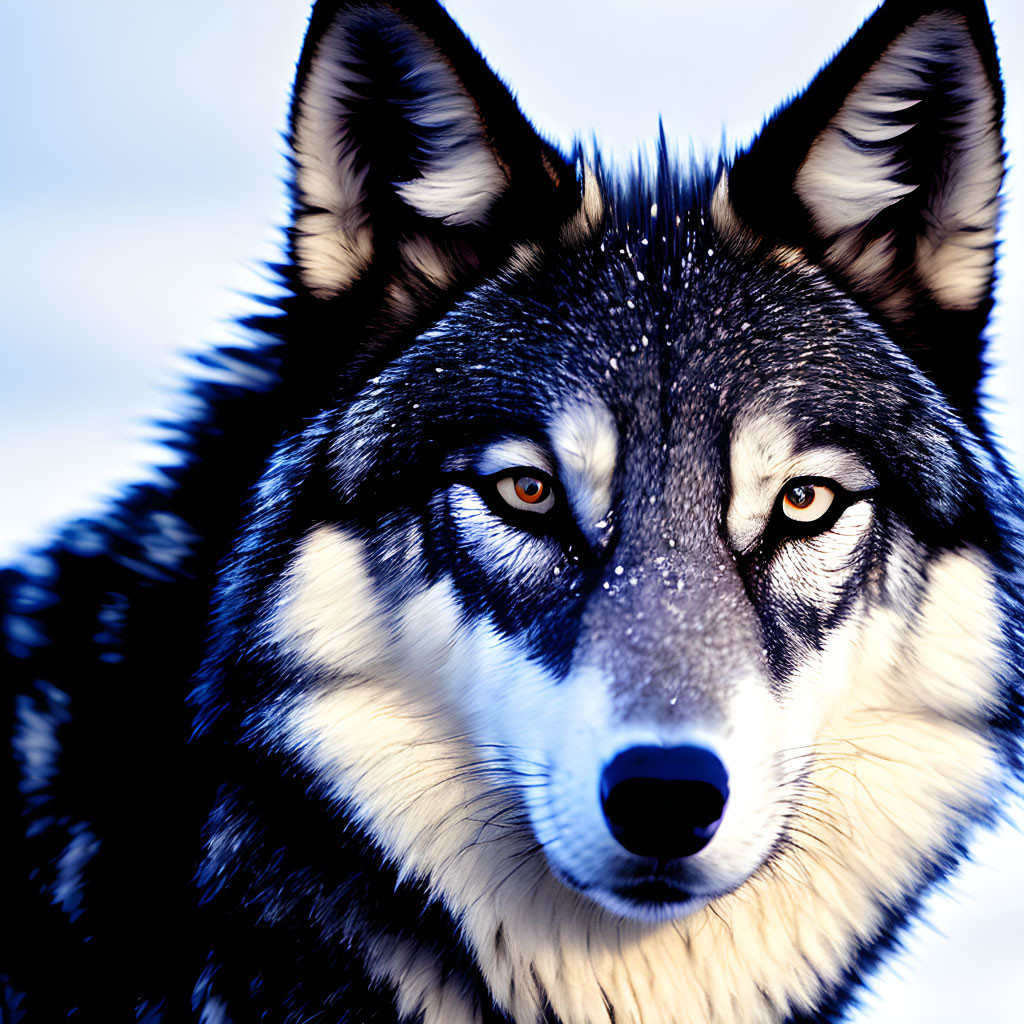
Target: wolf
column 594, row 596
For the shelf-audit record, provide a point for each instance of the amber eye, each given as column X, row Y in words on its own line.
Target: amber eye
column 530, row 489
column 807, row 502
column 527, row 491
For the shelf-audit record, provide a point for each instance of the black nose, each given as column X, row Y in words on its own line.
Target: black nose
column 664, row 802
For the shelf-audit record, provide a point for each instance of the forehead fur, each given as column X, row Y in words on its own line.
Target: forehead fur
column 674, row 336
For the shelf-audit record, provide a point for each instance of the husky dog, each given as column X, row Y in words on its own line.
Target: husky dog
column 599, row 596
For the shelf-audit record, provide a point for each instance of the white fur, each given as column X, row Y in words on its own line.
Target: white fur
column 894, row 743
column 421, row 981
column 501, row 548
column 333, row 247
column 323, row 612
column 462, row 177
column 844, row 186
column 585, row 442
column 727, row 221
column 526, row 258
column 587, row 220
column 510, row 452
column 818, row 568
column 576, row 729
column 423, row 256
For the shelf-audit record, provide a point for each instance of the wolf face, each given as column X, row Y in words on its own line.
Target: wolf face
column 665, row 588
column 641, row 588
column 621, row 626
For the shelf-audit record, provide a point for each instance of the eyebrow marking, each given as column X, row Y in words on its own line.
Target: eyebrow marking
column 510, row 452
column 585, row 442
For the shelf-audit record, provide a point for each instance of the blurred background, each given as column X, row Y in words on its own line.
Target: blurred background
column 140, row 192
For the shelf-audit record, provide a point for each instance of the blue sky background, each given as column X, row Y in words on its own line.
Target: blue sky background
column 140, row 190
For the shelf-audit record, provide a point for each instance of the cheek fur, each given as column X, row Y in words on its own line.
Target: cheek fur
column 804, row 591
column 819, row 569
column 507, row 552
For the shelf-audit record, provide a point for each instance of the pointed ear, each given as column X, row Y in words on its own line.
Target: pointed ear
column 414, row 171
column 886, row 172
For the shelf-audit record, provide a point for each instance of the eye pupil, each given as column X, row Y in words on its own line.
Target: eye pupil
column 529, row 488
column 808, row 502
column 525, row 491
column 800, row 496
